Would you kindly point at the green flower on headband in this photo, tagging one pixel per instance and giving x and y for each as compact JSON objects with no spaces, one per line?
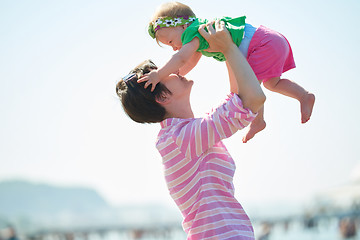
{"x":168,"y":22}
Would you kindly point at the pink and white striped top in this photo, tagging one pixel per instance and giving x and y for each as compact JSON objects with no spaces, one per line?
{"x":199,"y":171}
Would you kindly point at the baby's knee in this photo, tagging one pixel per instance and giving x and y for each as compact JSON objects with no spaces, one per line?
{"x":271,"y":83}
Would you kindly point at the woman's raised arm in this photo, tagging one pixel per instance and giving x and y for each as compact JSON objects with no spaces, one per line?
{"x":249,"y":89}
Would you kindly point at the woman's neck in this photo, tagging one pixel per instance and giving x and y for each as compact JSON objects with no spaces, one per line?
{"x":180,"y":110}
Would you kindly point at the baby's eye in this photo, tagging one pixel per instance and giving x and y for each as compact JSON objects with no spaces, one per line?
{"x":170,"y":42}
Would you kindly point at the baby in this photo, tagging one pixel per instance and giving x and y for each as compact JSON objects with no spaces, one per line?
{"x":267,"y":51}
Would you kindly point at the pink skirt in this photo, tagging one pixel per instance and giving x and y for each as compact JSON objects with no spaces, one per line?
{"x":269,"y":54}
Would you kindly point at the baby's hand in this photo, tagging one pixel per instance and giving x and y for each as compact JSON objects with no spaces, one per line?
{"x":150,"y":78}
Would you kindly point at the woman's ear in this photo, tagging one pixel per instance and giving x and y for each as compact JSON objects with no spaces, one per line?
{"x":163,"y":99}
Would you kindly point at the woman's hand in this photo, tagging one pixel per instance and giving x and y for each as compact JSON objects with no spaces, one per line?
{"x":219,"y":38}
{"x":248,"y":87}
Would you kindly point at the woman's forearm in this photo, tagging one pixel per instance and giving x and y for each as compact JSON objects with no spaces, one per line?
{"x":220,"y":40}
{"x":248,"y":87}
{"x":232,"y":79}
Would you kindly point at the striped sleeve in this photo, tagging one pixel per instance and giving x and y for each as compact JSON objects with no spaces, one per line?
{"x":221,"y":123}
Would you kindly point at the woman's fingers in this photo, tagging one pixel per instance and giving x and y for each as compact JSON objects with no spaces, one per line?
{"x":210,"y":30}
{"x":221,"y":25}
{"x":203,"y":32}
{"x":218,"y":24}
{"x":210,"y":27}
{"x":218,"y":37}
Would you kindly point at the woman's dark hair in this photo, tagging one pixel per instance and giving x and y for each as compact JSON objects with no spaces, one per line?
{"x":138,"y":102}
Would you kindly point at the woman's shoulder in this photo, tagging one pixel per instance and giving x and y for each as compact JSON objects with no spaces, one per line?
{"x":172,"y":128}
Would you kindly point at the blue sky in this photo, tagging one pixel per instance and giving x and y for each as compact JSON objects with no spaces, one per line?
{"x":61,"y":122}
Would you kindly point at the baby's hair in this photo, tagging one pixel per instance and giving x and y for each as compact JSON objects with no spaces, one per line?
{"x":171,"y":9}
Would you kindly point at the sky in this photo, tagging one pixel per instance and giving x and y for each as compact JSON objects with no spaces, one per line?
{"x":62,"y":123}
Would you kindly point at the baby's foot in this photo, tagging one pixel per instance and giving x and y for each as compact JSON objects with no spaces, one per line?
{"x":255,"y":127}
{"x":306,"y":105}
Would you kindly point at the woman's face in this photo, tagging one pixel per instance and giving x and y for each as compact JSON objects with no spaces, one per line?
{"x":179,"y":86}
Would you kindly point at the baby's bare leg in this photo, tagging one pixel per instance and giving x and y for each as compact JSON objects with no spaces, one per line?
{"x":292,"y":89}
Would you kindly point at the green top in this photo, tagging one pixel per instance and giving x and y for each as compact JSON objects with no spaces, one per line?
{"x":234,"y":25}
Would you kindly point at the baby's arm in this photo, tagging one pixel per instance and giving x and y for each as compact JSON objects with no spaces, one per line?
{"x":173,"y":65}
{"x":190,"y":64}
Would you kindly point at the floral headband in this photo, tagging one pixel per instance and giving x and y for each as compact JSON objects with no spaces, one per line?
{"x":164,"y":22}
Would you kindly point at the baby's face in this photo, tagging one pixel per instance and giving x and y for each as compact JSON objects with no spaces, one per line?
{"x":171,"y":36}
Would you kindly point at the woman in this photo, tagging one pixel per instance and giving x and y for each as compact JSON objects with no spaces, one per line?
{"x":198,"y":168}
